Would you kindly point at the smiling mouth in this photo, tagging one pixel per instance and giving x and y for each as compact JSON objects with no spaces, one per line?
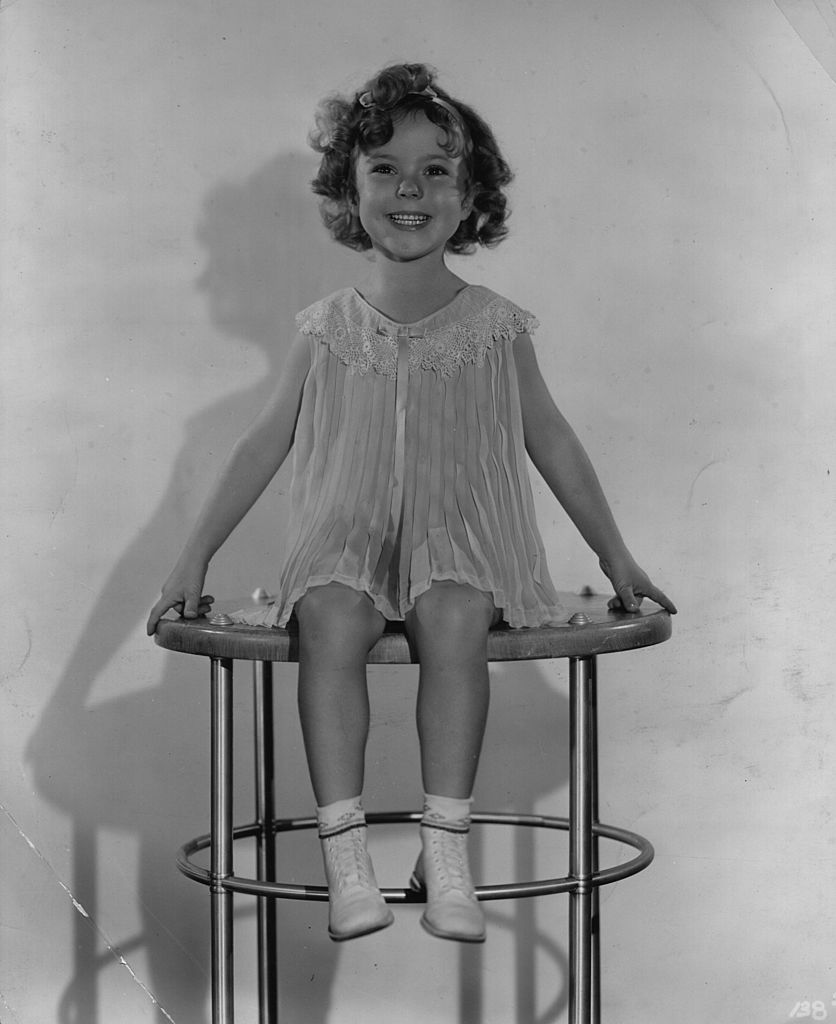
{"x":409,"y":220}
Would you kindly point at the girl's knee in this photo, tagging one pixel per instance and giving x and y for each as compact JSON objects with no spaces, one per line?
{"x":453,"y":609}
{"x":338,"y":613}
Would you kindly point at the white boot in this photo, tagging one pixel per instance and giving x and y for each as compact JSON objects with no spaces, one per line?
{"x":356,"y":906}
{"x":443,"y":872}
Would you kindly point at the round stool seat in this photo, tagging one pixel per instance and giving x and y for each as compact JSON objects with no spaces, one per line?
{"x":590,"y":629}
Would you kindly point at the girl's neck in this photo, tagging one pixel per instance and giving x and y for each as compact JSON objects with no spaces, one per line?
{"x":406,"y":292}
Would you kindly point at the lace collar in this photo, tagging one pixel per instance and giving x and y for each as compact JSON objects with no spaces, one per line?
{"x":458,"y":334}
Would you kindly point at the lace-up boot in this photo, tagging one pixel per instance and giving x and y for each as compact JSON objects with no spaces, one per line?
{"x":443,"y":874}
{"x":356,"y":906}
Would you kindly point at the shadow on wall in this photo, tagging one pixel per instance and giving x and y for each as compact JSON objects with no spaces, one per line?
{"x":138,"y":764}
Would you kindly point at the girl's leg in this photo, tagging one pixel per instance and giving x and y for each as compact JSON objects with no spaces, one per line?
{"x":337,"y":627}
{"x":449,"y":628}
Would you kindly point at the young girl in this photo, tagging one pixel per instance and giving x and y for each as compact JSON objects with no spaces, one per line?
{"x":410,"y":407}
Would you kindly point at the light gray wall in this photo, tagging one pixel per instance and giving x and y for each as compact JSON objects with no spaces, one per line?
{"x":673,"y":230}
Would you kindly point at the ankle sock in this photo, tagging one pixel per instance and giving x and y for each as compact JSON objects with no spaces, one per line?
{"x":449,"y":813}
{"x":340,"y":816}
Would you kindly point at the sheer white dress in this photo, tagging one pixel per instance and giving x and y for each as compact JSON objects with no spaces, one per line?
{"x":409,"y":460}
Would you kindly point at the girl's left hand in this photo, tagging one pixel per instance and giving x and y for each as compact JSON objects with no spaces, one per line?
{"x":631,"y":585}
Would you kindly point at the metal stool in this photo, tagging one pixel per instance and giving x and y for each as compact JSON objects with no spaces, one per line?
{"x":591,"y":630}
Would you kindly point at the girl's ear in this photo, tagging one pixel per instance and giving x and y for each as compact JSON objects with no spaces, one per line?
{"x":468,"y":200}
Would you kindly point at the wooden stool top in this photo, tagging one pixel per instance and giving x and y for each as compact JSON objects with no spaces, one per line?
{"x":603,"y":632}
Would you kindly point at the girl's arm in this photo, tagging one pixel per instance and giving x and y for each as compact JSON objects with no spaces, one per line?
{"x":562,"y":462}
{"x":251,"y":465}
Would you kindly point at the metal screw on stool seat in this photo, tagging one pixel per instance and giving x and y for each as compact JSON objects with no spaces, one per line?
{"x":221,"y":619}
{"x":579,"y":619}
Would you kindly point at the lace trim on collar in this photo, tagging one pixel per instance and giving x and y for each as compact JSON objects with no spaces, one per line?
{"x":366,"y":341}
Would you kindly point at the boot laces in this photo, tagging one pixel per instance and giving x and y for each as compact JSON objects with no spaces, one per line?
{"x":448,"y":851}
{"x":349,"y":859}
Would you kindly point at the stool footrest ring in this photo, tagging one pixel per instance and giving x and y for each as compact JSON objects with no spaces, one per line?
{"x":511,"y":890}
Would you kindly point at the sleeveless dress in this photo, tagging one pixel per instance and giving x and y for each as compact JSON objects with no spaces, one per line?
{"x":409,"y":462}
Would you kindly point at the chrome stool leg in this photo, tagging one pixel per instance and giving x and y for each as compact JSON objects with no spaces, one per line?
{"x":221,"y":842}
{"x":268,"y":999}
{"x":580,"y":842}
{"x":595,"y":991}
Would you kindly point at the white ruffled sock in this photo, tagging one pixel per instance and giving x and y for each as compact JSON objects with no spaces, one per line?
{"x":447,"y":812}
{"x":340,"y":816}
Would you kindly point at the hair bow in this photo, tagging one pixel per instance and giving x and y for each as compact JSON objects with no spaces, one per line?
{"x":366,"y":100}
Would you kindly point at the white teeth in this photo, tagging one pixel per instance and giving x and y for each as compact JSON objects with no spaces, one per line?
{"x":408,"y":218}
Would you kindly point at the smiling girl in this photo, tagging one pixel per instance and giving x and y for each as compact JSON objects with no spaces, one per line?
{"x":410,"y":407}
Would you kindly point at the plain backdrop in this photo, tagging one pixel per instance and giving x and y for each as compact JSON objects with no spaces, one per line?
{"x":674,"y":217}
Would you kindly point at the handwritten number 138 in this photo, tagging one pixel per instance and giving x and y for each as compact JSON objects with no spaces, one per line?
{"x":815,"y":1010}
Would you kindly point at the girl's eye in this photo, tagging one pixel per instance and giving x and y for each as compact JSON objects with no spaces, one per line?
{"x":436,"y":169}
{"x":383,"y":169}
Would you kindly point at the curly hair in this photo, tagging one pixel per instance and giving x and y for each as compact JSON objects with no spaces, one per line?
{"x":345,"y":126}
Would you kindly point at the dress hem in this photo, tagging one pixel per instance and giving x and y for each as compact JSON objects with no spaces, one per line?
{"x":278,"y":616}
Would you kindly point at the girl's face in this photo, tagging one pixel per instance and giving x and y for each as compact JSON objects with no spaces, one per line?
{"x":411,"y":195}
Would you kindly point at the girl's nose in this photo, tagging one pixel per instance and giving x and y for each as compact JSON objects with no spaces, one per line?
{"x":409,"y":189}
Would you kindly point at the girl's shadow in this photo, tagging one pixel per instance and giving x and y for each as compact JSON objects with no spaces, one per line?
{"x":137,"y":764}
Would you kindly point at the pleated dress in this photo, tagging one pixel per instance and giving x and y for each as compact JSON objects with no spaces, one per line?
{"x":409,"y":462}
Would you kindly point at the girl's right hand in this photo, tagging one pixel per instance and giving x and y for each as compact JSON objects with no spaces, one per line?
{"x":182,"y":591}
